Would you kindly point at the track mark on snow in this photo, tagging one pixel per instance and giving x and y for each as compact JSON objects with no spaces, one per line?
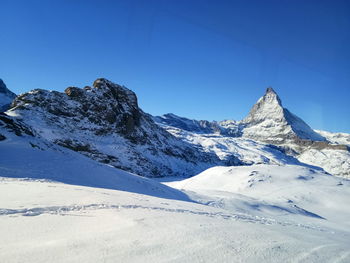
{"x":64,"y":210}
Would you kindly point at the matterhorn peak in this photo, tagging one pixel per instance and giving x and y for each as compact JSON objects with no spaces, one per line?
{"x":269,"y":89}
{"x":268,"y":106}
{"x":271,"y":97}
{"x":268,"y":121}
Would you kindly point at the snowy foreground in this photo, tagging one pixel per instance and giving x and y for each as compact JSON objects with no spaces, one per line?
{"x":59,"y":206}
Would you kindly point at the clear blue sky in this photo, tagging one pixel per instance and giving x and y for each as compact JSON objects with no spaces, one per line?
{"x":200,"y":59}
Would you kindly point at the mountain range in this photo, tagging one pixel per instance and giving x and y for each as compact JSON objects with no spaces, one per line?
{"x":74,"y":186}
{"x":104,"y":122}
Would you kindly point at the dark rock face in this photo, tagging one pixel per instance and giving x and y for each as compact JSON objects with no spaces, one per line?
{"x":105,"y":123}
{"x":6,"y":97}
{"x":15,"y":126}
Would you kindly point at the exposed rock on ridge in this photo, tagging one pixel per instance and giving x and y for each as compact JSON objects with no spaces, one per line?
{"x":105,"y":123}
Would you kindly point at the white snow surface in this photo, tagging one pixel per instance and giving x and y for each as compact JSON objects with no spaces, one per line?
{"x":249,"y":151}
{"x":59,"y":206}
{"x":26,"y":157}
{"x":245,"y":150}
{"x":336,"y":137}
{"x":336,"y":162}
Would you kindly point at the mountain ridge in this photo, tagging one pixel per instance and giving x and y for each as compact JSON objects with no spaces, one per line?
{"x":268,"y":122}
{"x":105,"y":123}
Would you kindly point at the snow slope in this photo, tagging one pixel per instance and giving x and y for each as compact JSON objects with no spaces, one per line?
{"x":235,"y":150}
{"x":59,"y":206}
{"x":50,"y":222}
{"x":283,"y":191}
{"x":30,"y":157}
{"x":336,"y":137}
{"x":336,"y":162}
{"x":105,"y":123}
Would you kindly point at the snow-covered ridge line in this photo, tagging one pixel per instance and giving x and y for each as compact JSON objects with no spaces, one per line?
{"x":267,"y":122}
{"x":105,"y":123}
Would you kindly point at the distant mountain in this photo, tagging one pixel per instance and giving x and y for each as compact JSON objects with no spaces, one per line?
{"x":268,"y":121}
{"x":229,"y":128}
{"x":105,"y":123}
{"x":284,"y":135}
{"x":336,"y":137}
{"x":6,"y":97}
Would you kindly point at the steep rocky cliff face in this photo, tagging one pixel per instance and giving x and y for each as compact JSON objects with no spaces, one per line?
{"x":105,"y":123}
{"x":6,"y":97}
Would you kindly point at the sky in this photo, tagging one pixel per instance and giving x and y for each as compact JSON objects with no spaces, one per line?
{"x":199,"y":59}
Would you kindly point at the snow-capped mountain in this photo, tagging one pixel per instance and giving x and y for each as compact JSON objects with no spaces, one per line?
{"x":57,"y":205}
{"x":336,"y":137}
{"x":269,"y":134}
{"x":6,"y":97}
{"x":105,"y":123}
{"x":235,"y":150}
{"x":227,"y":128}
{"x":201,"y":126}
{"x":268,"y":121}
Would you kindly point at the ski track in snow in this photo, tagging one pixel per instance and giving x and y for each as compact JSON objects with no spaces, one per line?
{"x":64,"y":210}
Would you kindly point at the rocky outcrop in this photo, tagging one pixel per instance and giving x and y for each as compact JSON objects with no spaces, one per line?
{"x":104,"y":122}
{"x":14,"y":126}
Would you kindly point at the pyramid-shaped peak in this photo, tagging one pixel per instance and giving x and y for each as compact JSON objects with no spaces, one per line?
{"x":270,"y":96}
{"x":268,"y":120}
{"x":270,"y":90}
